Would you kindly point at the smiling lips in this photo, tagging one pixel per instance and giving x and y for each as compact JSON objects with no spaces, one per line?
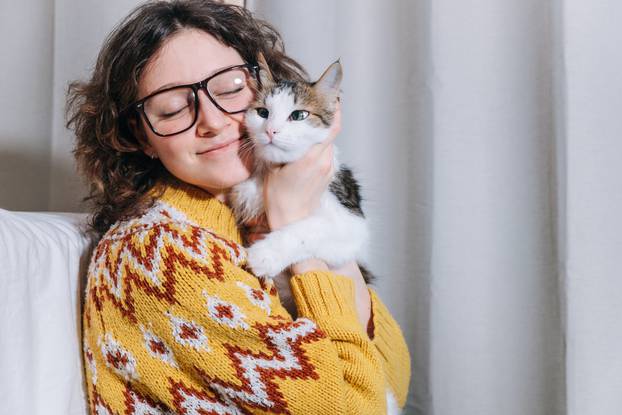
{"x":219,"y":146}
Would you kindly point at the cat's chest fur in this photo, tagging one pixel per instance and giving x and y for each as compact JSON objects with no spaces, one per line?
{"x":247,"y":199}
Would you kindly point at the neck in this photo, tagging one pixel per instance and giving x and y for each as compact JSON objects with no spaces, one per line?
{"x":218,"y":194}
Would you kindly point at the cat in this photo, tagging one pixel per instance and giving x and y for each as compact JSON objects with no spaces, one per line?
{"x":303,"y":112}
{"x":337,"y":231}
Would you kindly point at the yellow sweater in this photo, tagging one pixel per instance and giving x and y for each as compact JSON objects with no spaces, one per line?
{"x":173,"y":323}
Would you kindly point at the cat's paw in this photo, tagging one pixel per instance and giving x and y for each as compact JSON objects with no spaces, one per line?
{"x":263,"y":260}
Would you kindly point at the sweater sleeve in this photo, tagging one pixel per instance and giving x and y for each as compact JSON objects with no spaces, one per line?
{"x":174,"y":322}
{"x":389,"y":341}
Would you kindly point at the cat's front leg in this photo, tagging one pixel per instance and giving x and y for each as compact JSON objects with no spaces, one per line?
{"x":324,"y":235}
{"x":289,"y":244}
{"x":275,"y":252}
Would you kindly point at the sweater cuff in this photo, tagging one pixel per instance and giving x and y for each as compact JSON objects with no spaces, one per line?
{"x":322,"y":295}
{"x":386,"y":329}
{"x":390,"y":343}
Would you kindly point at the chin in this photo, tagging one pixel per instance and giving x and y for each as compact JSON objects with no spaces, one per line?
{"x":221,"y":176}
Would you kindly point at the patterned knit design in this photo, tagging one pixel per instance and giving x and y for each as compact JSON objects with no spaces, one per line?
{"x":174,"y":324}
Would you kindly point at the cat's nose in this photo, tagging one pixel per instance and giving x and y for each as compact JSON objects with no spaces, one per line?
{"x":271,"y":133}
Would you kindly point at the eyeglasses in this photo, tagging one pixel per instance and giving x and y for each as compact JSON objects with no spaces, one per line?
{"x":175,"y":110}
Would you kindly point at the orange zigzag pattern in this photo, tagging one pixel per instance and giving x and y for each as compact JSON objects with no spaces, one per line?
{"x":257,"y":371}
{"x":169,"y":242}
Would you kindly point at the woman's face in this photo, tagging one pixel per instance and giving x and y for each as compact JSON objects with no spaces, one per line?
{"x":196,"y":156}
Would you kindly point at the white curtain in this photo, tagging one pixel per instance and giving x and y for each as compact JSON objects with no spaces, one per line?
{"x":488,"y":138}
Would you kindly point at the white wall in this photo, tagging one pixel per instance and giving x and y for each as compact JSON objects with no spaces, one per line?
{"x":80,"y":28}
{"x":45,"y":45}
{"x":26,"y":54}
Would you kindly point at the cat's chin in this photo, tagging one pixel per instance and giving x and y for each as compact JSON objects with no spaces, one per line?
{"x":273,"y":154}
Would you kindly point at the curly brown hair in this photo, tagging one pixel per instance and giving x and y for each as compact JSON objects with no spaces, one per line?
{"x":107,"y":152}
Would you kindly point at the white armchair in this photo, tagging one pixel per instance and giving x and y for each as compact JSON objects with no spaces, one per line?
{"x":43,"y":260}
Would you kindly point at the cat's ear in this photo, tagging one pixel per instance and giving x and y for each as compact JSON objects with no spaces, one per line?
{"x":265,"y":76}
{"x":329,"y":82}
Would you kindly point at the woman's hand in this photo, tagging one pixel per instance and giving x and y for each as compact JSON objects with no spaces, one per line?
{"x":361,"y":293}
{"x":350,"y":270}
{"x":293,"y":191}
{"x":255,"y":230}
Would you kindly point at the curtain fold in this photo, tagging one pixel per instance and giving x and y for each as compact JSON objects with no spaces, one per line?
{"x":593,"y":201}
{"x":496,"y":342}
{"x":487,"y":138}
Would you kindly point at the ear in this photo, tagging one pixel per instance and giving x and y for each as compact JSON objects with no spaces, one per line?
{"x":265,"y":76}
{"x":141,"y":137}
{"x":329,"y":82}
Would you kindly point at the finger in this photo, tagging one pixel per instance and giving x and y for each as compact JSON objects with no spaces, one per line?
{"x":333,"y":131}
{"x":335,"y":127}
{"x":317,"y":149}
{"x":327,"y":161}
{"x":314,"y":153}
{"x":255,"y":236}
{"x":257,"y":221}
{"x":257,"y":229}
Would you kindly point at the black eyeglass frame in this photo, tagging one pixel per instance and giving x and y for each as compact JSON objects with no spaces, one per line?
{"x":139,"y":105}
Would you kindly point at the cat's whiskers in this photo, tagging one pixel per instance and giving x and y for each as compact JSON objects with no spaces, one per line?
{"x":246,"y":148}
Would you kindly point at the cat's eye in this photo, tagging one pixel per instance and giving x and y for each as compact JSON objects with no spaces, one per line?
{"x":263,"y":112}
{"x":298,"y":115}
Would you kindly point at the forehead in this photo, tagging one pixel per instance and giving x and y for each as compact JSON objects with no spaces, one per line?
{"x":188,"y":56}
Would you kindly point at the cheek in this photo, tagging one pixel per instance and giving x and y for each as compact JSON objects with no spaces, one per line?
{"x":174,"y":148}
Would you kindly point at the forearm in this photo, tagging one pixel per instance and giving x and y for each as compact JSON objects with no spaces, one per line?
{"x":350,"y":270}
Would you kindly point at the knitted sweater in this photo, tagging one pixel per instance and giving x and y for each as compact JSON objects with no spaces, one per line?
{"x":173,"y":323}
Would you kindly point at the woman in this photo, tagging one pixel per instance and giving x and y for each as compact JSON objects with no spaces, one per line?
{"x":172,"y":321}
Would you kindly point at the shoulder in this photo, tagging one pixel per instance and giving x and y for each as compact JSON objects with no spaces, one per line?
{"x":162,"y":225}
{"x":157,"y":254}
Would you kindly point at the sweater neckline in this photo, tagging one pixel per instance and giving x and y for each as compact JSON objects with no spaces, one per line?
{"x":199,"y":206}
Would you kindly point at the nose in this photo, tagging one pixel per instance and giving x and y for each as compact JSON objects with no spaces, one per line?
{"x":210,"y":119}
{"x":271,"y":131}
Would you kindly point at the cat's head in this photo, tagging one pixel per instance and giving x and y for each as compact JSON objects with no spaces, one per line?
{"x":288,"y":117}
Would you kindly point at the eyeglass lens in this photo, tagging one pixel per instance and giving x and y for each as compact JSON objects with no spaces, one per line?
{"x":173,"y":111}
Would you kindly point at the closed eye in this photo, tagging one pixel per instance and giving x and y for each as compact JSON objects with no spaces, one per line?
{"x":298,"y":115}
{"x":173,"y":113}
{"x":232,"y":92}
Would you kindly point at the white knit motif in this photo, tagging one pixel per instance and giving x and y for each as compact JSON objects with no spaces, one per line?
{"x":283,"y":360}
{"x":194,"y":404}
{"x":188,"y":333}
{"x":117,"y":358}
{"x":225,"y":313}
{"x":161,"y":213}
{"x":256,"y":297}
{"x":100,"y":409}
{"x":140,"y":406}
{"x":90,"y":362}
{"x":157,"y":348}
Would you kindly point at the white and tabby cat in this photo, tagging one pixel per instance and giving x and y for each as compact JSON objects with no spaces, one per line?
{"x":283,"y":122}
